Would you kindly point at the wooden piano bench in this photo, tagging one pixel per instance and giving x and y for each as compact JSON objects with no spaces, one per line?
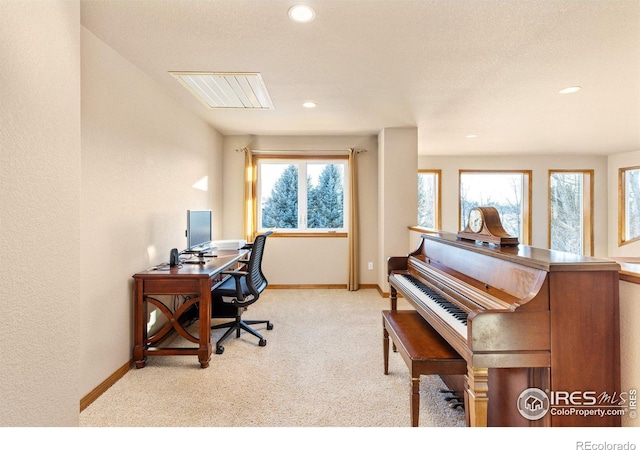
{"x":423,"y":350}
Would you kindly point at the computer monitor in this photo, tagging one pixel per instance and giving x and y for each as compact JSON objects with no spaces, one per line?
{"x":199,"y":229}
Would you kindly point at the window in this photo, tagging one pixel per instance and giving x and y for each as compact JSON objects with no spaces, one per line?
{"x":429,"y":199}
{"x":571,"y":211}
{"x":507,"y":191}
{"x":302,"y":195}
{"x":629,"y":205}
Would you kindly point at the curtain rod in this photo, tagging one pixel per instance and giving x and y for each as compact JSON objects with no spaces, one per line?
{"x":299,"y":152}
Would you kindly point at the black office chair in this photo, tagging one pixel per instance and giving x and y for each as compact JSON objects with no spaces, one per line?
{"x":240,"y":290}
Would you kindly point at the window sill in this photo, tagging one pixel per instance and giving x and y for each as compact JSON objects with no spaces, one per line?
{"x":326,"y":234}
{"x":629,"y":269}
{"x":424,"y":230}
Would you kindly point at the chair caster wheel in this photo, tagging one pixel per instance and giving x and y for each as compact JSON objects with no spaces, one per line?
{"x":219,"y":350}
{"x":269,"y":326}
{"x":262,"y":342}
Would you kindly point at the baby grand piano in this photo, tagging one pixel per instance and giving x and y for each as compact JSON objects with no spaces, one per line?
{"x":532,"y":324}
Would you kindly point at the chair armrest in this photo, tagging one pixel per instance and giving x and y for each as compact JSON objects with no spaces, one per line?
{"x":235,"y":273}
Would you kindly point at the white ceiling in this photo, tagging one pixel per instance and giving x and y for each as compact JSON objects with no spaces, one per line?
{"x":448,"y":67}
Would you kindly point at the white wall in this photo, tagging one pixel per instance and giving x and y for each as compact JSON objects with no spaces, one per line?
{"x":540,"y":166}
{"x":141,"y":154}
{"x":629,"y":341}
{"x":39,"y":222}
{"x":397,"y":194}
{"x":618,"y":161}
{"x":298,"y":260}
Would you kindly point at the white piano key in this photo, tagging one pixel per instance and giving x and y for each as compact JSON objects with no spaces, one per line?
{"x":458,"y":325}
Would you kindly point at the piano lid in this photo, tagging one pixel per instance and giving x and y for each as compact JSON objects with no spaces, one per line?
{"x":518,"y":271}
{"x":534,"y":257}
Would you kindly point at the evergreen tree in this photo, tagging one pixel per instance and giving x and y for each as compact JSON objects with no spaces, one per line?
{"x":425,"y":203}
{"x":281,"y":208}
{"x":325,"y":201}
{"x":633,"y":203}
{"x":567,"y":212}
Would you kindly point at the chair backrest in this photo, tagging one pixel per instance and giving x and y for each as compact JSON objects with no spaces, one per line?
{"x":256,"y":281}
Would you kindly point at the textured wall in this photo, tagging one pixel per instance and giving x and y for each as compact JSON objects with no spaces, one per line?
{"x":39,"y":204}
{"x":397,"y":194}
{"x":141,"y":155}
{"x":630,"y":342}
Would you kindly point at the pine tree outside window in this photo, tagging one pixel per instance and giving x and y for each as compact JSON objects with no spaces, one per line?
{"x":571,"y":211}
{"x":629,"y":205}
{"x":302,"y":195}
{"x":429,"y":199}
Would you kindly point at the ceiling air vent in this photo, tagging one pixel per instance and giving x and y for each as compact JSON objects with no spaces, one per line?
{"x":226,"y":90}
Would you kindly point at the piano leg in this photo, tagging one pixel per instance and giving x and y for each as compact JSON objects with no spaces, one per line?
{"x":476,"y":397}
{"x":393,"y":297}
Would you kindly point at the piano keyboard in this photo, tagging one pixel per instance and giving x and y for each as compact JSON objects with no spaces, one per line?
{"x":446,"y":310}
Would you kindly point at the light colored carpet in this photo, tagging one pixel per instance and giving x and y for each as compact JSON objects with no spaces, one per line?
{"x":322,"y":367}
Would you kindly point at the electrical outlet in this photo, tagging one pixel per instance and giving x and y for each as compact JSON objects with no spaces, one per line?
{"x":370,"y":266}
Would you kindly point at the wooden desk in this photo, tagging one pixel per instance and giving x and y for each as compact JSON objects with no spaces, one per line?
{"x":192,"y":280}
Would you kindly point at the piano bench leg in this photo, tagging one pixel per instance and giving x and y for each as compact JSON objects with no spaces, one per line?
{"x":415,"y":401}
{"x":385,"y":348}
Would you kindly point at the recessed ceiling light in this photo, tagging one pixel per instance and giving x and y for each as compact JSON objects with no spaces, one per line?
{"x":471,"y":136}
{"x":570,"y":90}
{"x":301,"y":13}
{"x":309,"y":104}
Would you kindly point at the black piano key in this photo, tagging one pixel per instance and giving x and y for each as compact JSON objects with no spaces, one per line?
{"x":441,"y":301}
